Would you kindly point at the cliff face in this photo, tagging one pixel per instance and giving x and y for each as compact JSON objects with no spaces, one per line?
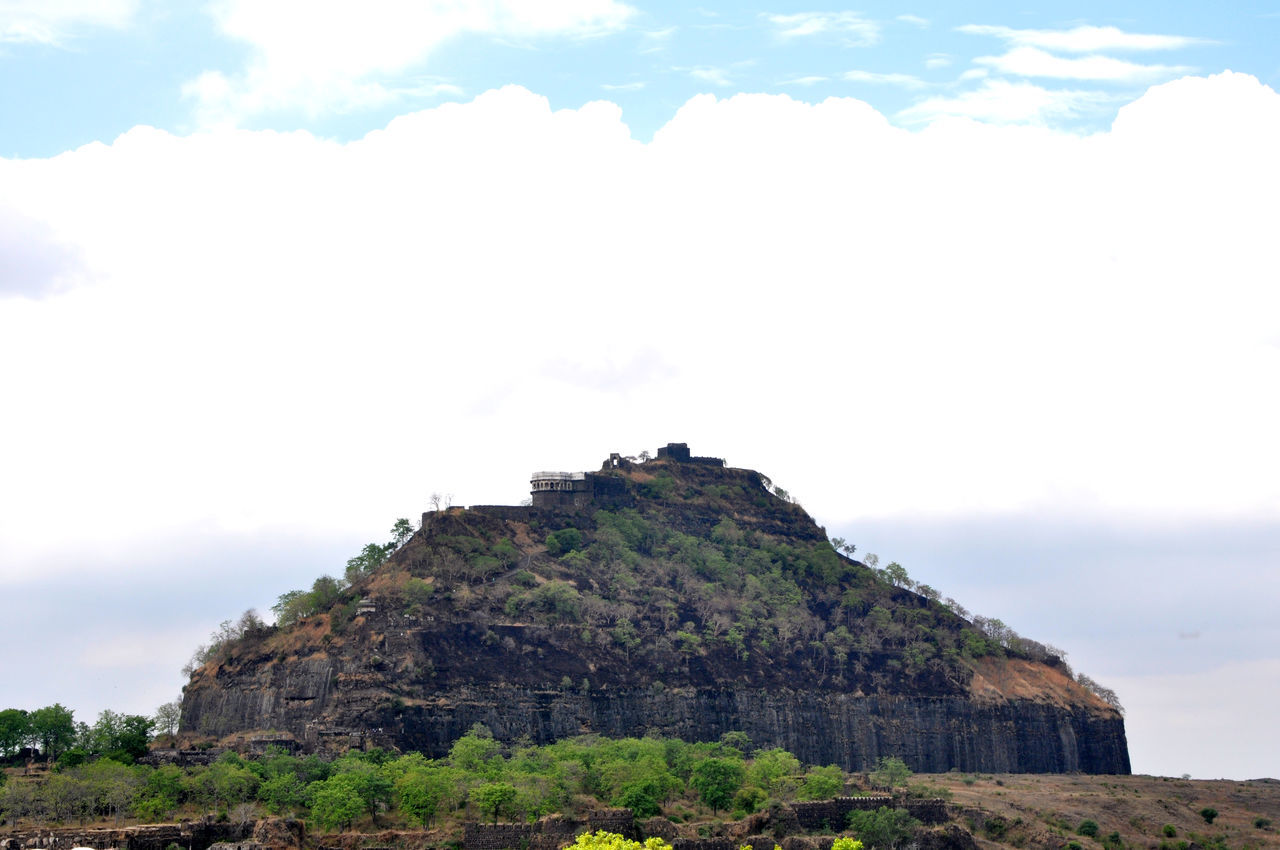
{"x":708,"y":606}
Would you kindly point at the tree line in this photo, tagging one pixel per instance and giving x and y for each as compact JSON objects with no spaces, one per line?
{"x":53,"y":734}
{"x":479,"y":779}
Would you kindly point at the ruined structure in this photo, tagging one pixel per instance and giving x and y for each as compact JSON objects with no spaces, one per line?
{"x":677,"y":596}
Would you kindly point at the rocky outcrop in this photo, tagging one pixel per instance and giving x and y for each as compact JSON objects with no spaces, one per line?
{"x":711,"y":605}
{"x":931,"y":734}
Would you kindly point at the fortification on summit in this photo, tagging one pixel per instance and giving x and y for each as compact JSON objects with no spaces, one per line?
{"x":583,"y":489}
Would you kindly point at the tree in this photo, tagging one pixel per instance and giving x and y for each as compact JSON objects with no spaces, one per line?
{"x":370,"y":558}
{"x":843,"y":546}
{"x":292,"y":606}
{"x":716,"y":780}
{"x":420,"y":791}
{"x":15,"y":728}
{"x":1208,"y":813}
{"x":167,"y":717}
{"x":602,"y":840}
{"x":896,"y":574}
{"x":774,"y":771}
{"x":53,"y":728}
{"x":335,"y":803}
{"x":891,"y":772}
{"x":493,"y":796}
{"x":476,"y":750}
{"x":400,"y":532}
{"x":115,"y":786}
{"x":883,"y":829}
{"x":822,"y":783}
{"x":367,"y":780}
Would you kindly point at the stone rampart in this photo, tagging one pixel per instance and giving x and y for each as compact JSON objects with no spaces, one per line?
{"x":832,"y":814}
{"x":547,"y":834}
{"x":199,"y":835}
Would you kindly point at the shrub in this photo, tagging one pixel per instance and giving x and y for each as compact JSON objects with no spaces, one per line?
{"x":1088,"y":827}
{"x":1170,"y":831}
{"x":1208,"y":813}
{"x":1262,"y":823}
{"x":749,"y":800}
{"x":883,"y":829}
{"x":563,"y":541}
{"x":1073,"y":845}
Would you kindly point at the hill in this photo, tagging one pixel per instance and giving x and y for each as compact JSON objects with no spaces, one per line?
{"x":675,"y":596}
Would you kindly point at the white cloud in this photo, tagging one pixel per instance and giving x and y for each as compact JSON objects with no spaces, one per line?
{"x":53,"y":21}
{"x":907,"y":81}
{"x":1033,"y":62}
{"x":1084,"y":39}
{"x":810,"y":80}
{"x":937,"y":60}
{"x":36,"y":264}
{"x":287,"y":332}
{"x":714,"y":76}
{"x":636,"y":86}
{"x":325,"y":57}
{"x":914,"y":19}
{"x":1003,"y":102}
{"x":851,"y":27}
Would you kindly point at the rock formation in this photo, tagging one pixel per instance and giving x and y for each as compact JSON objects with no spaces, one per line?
{"x":689,"y":601}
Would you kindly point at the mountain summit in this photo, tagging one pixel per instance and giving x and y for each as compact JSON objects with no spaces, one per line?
{"x":672,"y":595}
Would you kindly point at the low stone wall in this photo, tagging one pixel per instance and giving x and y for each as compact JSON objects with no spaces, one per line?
{"x":928,"y":811}
{"x":189,"y":836}
{"x":833,"y":814}
{"x":548,"y":833}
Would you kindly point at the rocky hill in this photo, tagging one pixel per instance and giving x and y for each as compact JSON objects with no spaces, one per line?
{"x":674,"y":595}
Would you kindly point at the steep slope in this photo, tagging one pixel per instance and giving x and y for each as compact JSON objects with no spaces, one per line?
{"x":679,"y":597}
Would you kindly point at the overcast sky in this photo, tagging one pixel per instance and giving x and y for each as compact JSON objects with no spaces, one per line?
{"x":993,"y":293}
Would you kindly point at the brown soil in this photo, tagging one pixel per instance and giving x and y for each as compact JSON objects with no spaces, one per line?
{"x":1044,"y":811}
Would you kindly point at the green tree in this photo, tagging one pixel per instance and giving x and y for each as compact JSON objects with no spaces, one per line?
{"x":53,"y":728}
{"x":896,"y":574}
{"x":283,"y":793}
{"x":492,"y":796}
{"x":421,"y":790}
{"x":400,"y":532}
{"x":883,"y":829}
{"x":167,"y":717}
{"x":1208,"y":813}
{"x":15,"y":729}
{"x":602,"y":840}
{"x":369,"y":782}
{"x":564,"y":540}
{"x":292,"y":606}
{"x":160,"y":794}
{"x":370,"y":558}
{"x":115,"y":786}
{"x":716,"y":780}
{"x":335,"y":803}
{"x":822,"y":783}
{"x":1088,"y":828}
{"x":476,"y":752}
{"x":775,"y":771}
{"x":891,"y":772}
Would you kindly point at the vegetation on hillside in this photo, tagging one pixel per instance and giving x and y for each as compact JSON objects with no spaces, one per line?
{"x":714,"y":573}
{"x":480,"y":779}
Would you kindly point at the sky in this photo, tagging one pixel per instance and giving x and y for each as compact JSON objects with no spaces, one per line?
{"x":993,"y":292}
